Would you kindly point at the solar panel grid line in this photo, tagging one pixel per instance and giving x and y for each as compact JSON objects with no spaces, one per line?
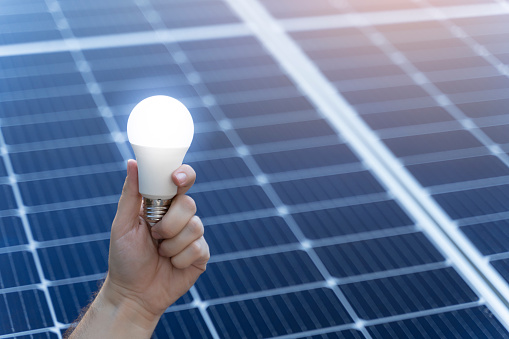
{"x":21,"y":288}
{"x":346,"y":20}
{"x":202,"y":307}
{"x":274,"y":197}
{"x":472,"y":184}
{"x":482,"y":218}
{"x":320,"y":332}
{"x":77,"y":279}
{"x":392,"y":272}
{"x":398,"y":132}
{"x":283,"y":56}
{"x":126,"y":39}
{"x":422,"y":313}
{"x":70,"y":172}
{"x":410,"y":160}
{"x":498,"y":256}
{"x":255,"y":252}
{"x":37,"y":119}
{"x":96,"y":201}
{"x":28,"y":333}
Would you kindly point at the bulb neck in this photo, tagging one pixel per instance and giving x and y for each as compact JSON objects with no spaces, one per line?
{"x":155,"y":209}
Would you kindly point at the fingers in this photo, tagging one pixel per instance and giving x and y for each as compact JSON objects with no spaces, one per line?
{"x":181,"y":210}
{"x":181,"y":230}
{"x":184,"y":178}
{"x":191,"y":232}
{"x":188,"y":247}
{"x":196,"y":254}
{"x":130,"y":201}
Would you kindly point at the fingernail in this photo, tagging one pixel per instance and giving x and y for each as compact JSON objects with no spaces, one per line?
{"x":156,"y":235}
{"x":181,"y":177}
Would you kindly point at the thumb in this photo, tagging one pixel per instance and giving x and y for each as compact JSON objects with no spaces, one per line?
{"x":128,"y":209}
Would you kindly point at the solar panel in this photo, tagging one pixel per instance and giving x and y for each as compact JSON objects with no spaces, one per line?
{"x":351,"y":161}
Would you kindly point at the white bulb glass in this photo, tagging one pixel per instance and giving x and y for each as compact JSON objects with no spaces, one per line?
{"x":160,"y":130}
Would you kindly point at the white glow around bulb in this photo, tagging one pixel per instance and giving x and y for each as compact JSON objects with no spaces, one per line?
{"x":160,"y":130}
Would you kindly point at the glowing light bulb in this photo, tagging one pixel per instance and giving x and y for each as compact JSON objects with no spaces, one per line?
{"x":160,"y":130}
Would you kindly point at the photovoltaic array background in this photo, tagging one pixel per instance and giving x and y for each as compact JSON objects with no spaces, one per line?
{"x":352,"y":161}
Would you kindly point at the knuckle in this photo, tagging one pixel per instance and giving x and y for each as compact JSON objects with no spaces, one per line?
{"x":206,"y":256}
{"x":189,"y":204}
{"x":171,"y":232}
{"x":177,"y":263}
{"x":167,"y":231}
{"x":196,"y":227}
{"x":195,"y":248}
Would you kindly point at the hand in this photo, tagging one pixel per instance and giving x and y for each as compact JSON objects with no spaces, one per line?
{"x":153,"y":267}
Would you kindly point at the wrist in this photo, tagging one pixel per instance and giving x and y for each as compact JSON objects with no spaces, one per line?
{"x":115,"y":315}
{"x":126,"y":309}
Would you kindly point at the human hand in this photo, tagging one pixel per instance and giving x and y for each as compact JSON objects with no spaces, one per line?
{"x":152,"y":267}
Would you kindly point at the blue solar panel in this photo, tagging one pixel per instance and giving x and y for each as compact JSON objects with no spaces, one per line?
{"x":314,"y":231}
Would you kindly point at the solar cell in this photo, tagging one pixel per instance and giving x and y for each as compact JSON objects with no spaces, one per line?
{"x":12,"y":232}
{"x":18,"y":269}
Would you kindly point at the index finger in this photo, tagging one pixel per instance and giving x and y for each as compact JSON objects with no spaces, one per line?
{"x":184,"y":177}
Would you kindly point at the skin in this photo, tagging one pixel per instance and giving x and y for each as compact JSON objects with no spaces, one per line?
{"x":149,"y":268}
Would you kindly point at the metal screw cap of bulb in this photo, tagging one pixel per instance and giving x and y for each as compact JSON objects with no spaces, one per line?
{"x":155,"y":209}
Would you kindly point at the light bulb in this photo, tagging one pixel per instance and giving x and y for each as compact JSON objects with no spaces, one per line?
{"x":160,"y":130}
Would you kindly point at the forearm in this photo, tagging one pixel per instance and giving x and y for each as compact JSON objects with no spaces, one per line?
{"x":112,"y":315}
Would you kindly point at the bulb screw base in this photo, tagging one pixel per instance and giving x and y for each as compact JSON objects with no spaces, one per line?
{"x":155,"y":209}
